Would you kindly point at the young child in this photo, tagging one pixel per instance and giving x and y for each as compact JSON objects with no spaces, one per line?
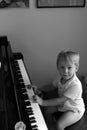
{"x":69,"y":102}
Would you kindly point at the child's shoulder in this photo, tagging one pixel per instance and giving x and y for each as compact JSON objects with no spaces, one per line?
{"x":75,"y":82}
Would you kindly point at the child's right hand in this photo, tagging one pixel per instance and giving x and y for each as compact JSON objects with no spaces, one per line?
{"x":36,"y":99}
{"x":36,"y":90}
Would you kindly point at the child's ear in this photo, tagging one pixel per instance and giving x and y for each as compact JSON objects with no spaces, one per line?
{"x":77,"y":67}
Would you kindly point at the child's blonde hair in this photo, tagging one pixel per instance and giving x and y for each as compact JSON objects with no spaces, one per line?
{"x":72,"y":56}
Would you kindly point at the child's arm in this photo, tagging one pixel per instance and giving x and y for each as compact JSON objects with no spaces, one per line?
{"x":54,"y":102}
{"x":47,"y":91}
{"x":50,"y":102}
{"x":37,"y":91}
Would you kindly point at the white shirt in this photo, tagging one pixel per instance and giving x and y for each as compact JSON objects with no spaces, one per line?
{"x":72,"y":89}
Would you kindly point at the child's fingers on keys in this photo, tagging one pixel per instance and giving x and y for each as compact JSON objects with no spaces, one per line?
{"x":29,"y":86}
{"x":34,"y":87}
{"x":33,"y":98}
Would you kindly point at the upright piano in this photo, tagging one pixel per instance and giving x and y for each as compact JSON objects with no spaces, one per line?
{"x":15,"y":104}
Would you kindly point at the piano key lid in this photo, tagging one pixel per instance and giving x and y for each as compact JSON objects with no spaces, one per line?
{"x":20,"y":126}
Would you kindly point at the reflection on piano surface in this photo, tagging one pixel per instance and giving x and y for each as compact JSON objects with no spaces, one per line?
{"x":15,"y":105}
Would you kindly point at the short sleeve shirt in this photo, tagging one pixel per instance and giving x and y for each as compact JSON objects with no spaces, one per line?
{"x":72,"y":89}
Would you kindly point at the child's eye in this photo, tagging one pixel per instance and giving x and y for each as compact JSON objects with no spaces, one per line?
{"x":69,"y":68}
{"x":62,"y":67}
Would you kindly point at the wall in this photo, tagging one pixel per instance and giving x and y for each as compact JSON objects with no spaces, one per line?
{"x":40,"y":34}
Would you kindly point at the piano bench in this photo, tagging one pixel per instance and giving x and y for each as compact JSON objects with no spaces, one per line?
{"x":80,"y":125}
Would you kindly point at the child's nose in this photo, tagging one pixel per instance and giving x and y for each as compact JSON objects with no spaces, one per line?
{"x":65,"y":70}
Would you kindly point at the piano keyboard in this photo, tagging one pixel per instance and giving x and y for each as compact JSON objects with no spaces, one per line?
{"x":34,"y":113}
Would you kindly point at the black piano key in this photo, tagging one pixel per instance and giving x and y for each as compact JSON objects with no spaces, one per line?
{"x":20,"y":80}
{"x":18,"y":71}
{"x":17,"y":67}
{"x":34,"y":126}
{"x":15,"y":61}
{"x":16,"y":64}
{"x":22,"y":85}
{"x":30,"y":113}
{"x":28,"y":103}
{"x":29,"y":109}
{"x":32,"y":121}
{"x":23,"y":90}
{"x":32,"y":118}
{"x":19,"y":75}
{"x":25,"y":96}
{"x":35,"y":129}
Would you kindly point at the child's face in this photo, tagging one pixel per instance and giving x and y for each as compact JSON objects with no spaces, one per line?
{"x":66,"y":69}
